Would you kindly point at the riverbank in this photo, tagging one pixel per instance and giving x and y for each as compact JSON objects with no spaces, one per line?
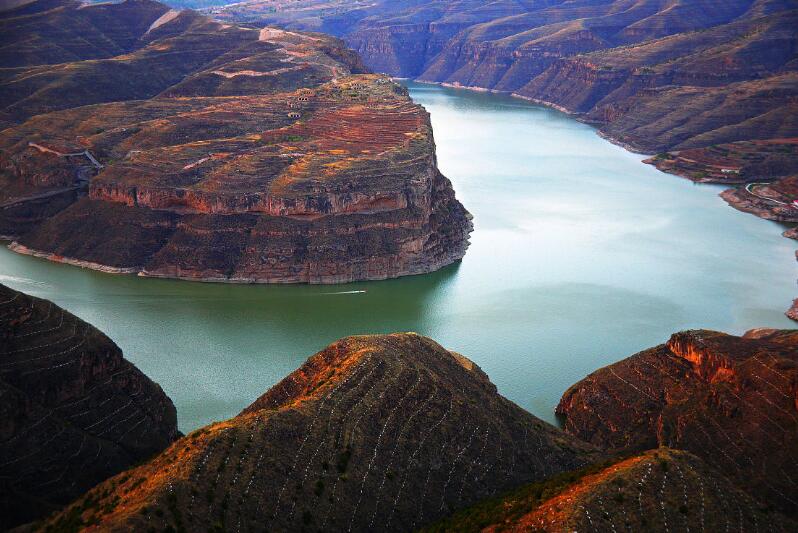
{"x":55,"y":258}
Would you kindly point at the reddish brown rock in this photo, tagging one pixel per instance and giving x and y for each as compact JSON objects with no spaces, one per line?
{"x":772,"y":201}
{"x":652,"y":76}
{"x":732,"y":163}
{"x":268,"y":159}
{"x":73,"y":412}
{"x":733,"y":401}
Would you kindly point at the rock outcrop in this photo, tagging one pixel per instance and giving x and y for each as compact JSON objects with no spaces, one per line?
{"x":659,"y":490}
{"x":372,"y":433}
{"x":234,"y":154}
{"x":772,"y":201}
{"x":713,"y":84}
{"x":73,"y":412}
{"x":732,"y":401}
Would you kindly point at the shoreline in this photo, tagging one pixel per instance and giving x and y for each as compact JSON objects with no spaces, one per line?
{"x":574,"y":115}
{"x":21,"y":249}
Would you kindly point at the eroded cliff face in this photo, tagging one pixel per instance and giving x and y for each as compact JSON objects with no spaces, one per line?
{"x":378,"y":432}
{"x":275,"y":162}
{"x":345,"y":189}
{"x":73,"y":413}
{"x":732,"y":401}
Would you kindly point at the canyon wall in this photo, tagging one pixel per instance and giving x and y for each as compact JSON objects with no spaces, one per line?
{"x":261,"y":156}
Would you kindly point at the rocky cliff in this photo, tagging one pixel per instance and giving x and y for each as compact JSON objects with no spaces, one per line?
{"x":235,"y":155}
{"x":732,"y":401}
{"x":73,"y":412}
{"x":378,"y":432}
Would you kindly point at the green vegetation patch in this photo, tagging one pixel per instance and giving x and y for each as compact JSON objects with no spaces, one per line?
{"x":511,"y":506}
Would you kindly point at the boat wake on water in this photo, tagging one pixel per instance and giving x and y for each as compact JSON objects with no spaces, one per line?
{"x":341,"y":292}
{"x":27,"y":281}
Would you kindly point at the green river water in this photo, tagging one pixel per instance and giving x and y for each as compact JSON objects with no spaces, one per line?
{"x":581,"y":256}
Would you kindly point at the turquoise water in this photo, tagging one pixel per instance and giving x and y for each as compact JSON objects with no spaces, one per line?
{"x":580,"y":257}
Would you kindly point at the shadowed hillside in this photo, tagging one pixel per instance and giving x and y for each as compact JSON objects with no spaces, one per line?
{"x":660,"y":490}
{"x":73,"y":410}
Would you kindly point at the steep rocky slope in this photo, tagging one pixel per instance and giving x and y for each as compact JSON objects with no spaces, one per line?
{"x":660,"y":490}
{"x":377,"y":432}
{"x":73,"y":412}
{"x":732,"y":401}
{"x":235,"y":154}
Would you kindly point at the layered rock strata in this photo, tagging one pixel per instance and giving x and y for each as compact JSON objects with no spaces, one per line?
{"x":377,"y":432}
{"x":732,"y":401}
{"x":74,"y":411}
{"x":268,"y":159}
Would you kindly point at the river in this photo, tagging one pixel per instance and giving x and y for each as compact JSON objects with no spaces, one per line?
{"x":581,"y":256}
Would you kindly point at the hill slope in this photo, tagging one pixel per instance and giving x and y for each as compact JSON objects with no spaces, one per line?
{"x":653,"y":75}
{"x":732,"y":401}
{"x":388,"y":432}
{"x":74,"y":411}
{"x":660,"y":490}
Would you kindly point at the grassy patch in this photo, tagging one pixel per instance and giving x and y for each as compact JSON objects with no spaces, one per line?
{"x":512,"y":505}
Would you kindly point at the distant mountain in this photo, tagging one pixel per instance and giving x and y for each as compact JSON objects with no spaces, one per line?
{"x":73,"y":412}
{"x":653,"y":75}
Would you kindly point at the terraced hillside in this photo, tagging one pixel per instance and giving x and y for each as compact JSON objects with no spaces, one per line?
{"x":73,"y":412}
{"x":660,"y":490}
{"x":654,"y":76}
{"x":372,"y":433}
{"x":230,"y":154}
{"x":177,"y":53}
{"x":732,"y":401}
